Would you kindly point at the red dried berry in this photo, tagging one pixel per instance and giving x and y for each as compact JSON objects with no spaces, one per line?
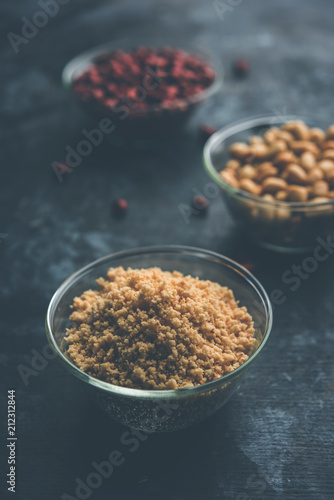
{"x":63,"y":167}
{"x":120,"y":207}
{"x":200,"y":203}
{"x":241,"y":67}
{"x":205,"y":131}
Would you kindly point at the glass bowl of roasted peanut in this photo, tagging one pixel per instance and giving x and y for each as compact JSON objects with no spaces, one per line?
{"x":277,"y":178}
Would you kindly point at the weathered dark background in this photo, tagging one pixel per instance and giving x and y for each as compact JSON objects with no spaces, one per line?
{"x":274,"y":439}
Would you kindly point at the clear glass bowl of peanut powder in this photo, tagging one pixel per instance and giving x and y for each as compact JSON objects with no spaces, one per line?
{"x":149,"y":409}
{"x":284,"y":226}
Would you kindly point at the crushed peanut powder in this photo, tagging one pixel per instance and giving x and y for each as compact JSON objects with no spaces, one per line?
{"x":152,"y":329}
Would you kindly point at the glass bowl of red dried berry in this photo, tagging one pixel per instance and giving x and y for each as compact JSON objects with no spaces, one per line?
{"x":148,"y":89}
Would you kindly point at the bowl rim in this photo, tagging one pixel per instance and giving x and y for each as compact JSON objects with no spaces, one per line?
{"x":67,"y":75}
{"x":239,"y":126}
{"x":158,"y":394}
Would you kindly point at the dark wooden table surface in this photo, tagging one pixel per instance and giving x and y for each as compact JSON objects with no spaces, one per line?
{"x":274,"y":439}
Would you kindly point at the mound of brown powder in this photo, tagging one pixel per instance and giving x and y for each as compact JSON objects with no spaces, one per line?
{"x":150,"y":329}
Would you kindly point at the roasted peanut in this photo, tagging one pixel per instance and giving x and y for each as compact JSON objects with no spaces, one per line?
{"x":229,"y":176}
{"x":320,"y":199}
{"x":300,"y":147}
{"x":283,"y":213}
{"x":273,"y":184}
{"x":326,"y":165}
{"x":289,"y":164}
{"x":285,"y":174}
{"x":239,"y":150}
{"x":328,"y":144}
{"x":259,"y":151}
{"x":270,"y":135}
{"x":281,"y":195}
{"x":275,"y":148}
{"x":316,"y":174}
{"x":307,"y":160}
{"x":298,"y":129}
{"x":233,"y":164}
{"x":250,"y":186}
{"x":297,"y":193}
{"x":286,"y":136}
{"x":328,"y":154}
{"x":317,"y":135}
{"x":284,"y":158}
{"x":296,"y":174}
{"x":247,"y":172}
{"x":330,"y":177}
{"x":264,"y":170}
{"x":268,"y":197}
{"x":330,"y":133}
{"x":319,"y":188}
{"x":325,"y":206}
{"x":256,"y":139}
{"x":267,"y":212}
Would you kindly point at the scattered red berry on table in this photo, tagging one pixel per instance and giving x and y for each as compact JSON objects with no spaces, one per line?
{"x":241,"y":67}
{"x":120,"y":207}
{"x":64,"y":168}
{"x":200,"y":203}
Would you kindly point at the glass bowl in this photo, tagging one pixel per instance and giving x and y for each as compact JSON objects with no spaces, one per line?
{"x":277,"y":225}
{"x":156,"y":123}
{"x":166,"y":410}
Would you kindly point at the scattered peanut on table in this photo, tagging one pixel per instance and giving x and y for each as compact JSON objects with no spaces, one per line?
{"x":293,"y":163}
